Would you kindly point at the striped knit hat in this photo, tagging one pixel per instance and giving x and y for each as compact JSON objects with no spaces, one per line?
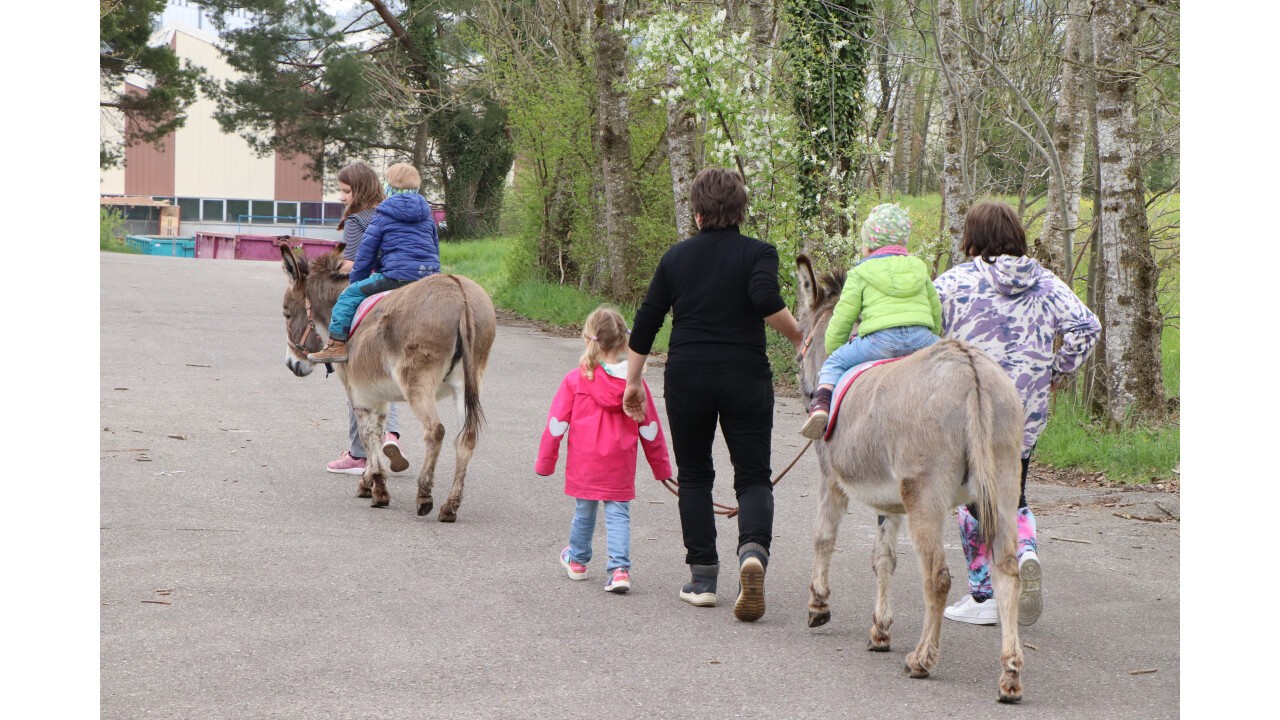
{"x":887,"y":224}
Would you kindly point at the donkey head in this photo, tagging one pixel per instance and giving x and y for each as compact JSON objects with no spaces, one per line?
{"x":816,"y":298}
{"x":298,"y":326}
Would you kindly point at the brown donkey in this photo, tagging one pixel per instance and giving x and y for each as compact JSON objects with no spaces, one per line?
{"x":918,"y":437}
{"x":422,"y":342}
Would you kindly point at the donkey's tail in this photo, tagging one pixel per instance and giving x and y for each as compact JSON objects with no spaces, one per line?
{"x":982,"y":442}
{"x":470,"y":381}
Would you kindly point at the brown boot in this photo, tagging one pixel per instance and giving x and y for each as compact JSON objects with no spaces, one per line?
{"x":335,"y":352}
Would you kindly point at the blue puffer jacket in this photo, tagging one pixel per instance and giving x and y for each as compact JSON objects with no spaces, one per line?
{"x":403,"y":233}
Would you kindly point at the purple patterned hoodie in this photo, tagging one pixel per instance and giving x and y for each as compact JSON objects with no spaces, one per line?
{"x":1013,"y":309}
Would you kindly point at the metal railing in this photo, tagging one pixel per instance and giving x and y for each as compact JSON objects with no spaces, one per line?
{"x":301,"y":222}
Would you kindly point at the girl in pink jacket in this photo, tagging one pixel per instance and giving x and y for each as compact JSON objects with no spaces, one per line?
{"x":601,"y":465}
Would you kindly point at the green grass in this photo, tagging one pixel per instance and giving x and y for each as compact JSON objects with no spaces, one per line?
{"x":561,"y":305}
{"x":1136,"y":455}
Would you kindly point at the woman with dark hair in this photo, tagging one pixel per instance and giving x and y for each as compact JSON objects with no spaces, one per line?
{"x":721,"y":288}
{"x":1006,"y":304}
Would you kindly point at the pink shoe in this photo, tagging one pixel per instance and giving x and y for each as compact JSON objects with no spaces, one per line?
{"x":619,"y":581}
{"x":391,"y":448}
{"x":576,"y":570}
{"x":346,"y":465}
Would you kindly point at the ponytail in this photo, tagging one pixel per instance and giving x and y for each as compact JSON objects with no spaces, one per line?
{"x":606,"y":334}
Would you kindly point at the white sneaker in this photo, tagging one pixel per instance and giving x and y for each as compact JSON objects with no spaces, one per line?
{"x":968,"y":610}
{"x":1030,"y":600}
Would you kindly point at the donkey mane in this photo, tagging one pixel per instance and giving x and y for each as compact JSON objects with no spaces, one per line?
{"x":328,"y":265}
{"x":831,"y":284}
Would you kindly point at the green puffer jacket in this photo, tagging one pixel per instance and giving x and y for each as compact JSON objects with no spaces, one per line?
{"x":889,"y":291}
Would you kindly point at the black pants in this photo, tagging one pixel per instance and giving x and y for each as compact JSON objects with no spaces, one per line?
{"x":743,"y":406}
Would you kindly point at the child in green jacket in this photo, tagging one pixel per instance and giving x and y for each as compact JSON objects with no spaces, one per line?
{"x":897,"y":302}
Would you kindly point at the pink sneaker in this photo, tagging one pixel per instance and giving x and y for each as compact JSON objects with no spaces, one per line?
{"x":619,"y":581}
{"x":576,"y":570}
{"x":391,"y":448}
{"x":346,"y":465}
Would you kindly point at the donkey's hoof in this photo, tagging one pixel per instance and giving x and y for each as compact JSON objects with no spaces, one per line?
{"x":914,"y":669}
{"x":380,"y":502}
{"x":448,"y":514}
{"x":1010,"y":699}
{"x":424,"y":508}
{"x":873,"y":646}
{"x":818,"y":618}
{"x":363,"y":491}
{"x":1010,"y":688}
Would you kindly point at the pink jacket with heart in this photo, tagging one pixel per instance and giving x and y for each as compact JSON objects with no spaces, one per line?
{"x":601,"y":464}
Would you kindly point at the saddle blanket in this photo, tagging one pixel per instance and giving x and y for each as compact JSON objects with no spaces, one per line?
{"x":842,"y":387}
{"x":365,"y":306}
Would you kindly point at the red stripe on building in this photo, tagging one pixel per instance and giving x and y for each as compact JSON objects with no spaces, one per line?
{"x":148,"y":169}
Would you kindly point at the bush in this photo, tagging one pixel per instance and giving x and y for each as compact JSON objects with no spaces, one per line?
{"x":111,"y":226}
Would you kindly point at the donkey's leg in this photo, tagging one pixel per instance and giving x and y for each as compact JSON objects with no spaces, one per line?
{"x":420,"y":392}
{"x":832,"y":503}
{"x":884,"y":560}
{"x":464,"y":446}
{"x":1005,"y":581}
{"x":374,"y":481}
{"x":925,"y":522}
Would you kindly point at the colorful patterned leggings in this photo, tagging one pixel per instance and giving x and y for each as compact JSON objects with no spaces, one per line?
{"x":977,"y":553}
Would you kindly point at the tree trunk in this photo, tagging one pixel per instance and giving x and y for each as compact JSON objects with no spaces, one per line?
{"x":924,"y":111}
{"x":1135,"y":385}
{"x":682,"y":137}
{"x":957,"y":188}
{"x":903,"y":130}
{"x":1054,"y":246}
{"x":613,"y":142}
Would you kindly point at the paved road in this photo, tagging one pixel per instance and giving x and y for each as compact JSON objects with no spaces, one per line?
{"x":289,"y":597}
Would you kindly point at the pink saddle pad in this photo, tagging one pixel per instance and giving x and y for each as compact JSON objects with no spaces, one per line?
{"x":842,"y":386}
{"x":365,"y":306}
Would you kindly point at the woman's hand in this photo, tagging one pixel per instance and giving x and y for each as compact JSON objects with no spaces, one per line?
{"x":633,"y":402}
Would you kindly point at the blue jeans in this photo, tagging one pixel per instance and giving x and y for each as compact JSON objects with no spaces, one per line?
{"x":617,"y":525}
{"x":344,"y":311}
{"x":879,"y":345}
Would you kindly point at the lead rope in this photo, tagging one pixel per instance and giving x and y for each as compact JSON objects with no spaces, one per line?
{"x":674,"y":487}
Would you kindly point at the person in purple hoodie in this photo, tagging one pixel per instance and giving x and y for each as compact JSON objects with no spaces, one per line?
{"x":1007,"y":305}
{"x":400,"y":241}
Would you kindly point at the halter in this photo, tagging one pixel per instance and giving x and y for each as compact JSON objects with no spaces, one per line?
{"x":301,"y":344}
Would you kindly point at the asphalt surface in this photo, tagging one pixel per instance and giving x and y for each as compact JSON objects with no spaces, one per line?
{"x":240,"y":580}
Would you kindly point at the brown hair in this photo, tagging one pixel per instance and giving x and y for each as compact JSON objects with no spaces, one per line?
{"x":366,"y":191}
{"x":403,"y":176}
{"x":606,"y":333}
{"x":993,"y":228}
{"x":720,"y":197}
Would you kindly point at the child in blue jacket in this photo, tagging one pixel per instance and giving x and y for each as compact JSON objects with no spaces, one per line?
{"x":401,"y":240}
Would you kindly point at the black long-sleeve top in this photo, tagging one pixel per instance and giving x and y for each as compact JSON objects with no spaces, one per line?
{"x":719,"y":286}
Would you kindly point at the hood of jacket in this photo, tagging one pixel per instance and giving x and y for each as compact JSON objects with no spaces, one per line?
{"x":894,"y":275}
{"x":406,"y":208}
{"x":605,"y":389}
{"x":1009,"y":274}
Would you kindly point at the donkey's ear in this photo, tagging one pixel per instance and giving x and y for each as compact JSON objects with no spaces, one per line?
{"x":807,"y":290}
{"x":295,"y":268}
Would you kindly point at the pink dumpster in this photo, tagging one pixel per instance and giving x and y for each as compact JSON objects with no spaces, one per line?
{"x":215,"y":246}
{"x":312,"y":247}
{"x":258,"y":247}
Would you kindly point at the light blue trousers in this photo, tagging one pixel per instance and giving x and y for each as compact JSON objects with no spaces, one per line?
{"x":879,"y":345}
{"x":617,"y":525}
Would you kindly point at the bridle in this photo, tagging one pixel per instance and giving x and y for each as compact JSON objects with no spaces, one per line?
{"x":301,"y":344}
{"x":808,"y":340}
